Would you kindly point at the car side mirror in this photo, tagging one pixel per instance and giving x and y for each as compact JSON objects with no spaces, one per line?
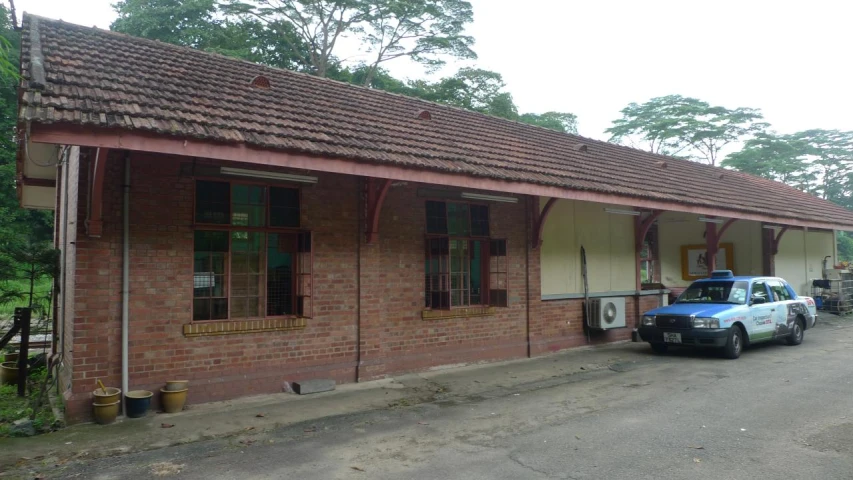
{"x":757,"y":301}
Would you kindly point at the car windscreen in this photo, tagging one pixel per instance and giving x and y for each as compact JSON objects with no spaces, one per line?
{"x":733,"y":292}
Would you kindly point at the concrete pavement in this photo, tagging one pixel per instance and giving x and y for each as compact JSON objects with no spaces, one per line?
{"x":265,"y":412}
{"x":606,"y":412}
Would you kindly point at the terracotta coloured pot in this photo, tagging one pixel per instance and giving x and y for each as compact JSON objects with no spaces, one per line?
{"x":11,"y":357}
{"x":176,"y":385}
{"x":173,"y":401}
{"x":9,"y":373}
{"x":111,"y":396}
{"x":105,"y":414}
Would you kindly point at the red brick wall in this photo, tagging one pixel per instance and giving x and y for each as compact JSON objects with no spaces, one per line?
{"x":394,"y":335}
{"x":367,"y":296}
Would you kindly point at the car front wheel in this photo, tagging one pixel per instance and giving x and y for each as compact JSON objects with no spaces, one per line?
{"x":735,"y":343}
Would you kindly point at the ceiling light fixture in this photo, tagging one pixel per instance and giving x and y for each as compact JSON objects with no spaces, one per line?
{"x":240,"y":172}
{"x":488,"y":198}
{"x":616,"y":211}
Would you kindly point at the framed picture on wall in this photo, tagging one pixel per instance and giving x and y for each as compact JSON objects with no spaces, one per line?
{"x":694,"y":265}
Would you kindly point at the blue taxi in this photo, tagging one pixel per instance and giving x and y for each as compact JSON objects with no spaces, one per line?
{"x":730,"y":312}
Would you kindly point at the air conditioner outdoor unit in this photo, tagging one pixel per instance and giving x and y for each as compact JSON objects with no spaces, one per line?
{"x":607,"y":313}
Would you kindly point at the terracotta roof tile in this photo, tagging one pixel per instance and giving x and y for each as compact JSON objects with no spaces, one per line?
{"x":104,"y":79}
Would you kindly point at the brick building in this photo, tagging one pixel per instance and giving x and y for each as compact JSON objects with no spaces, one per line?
{"x":274,"y":226}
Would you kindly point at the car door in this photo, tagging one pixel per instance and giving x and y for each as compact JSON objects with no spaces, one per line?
{"x":761,"y":309}
{"x":782,"y":299}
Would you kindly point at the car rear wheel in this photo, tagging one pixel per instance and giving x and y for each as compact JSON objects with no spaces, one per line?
{"x":796,"y":336}
{"x":660,"y":347}
{"x":735,"y":343}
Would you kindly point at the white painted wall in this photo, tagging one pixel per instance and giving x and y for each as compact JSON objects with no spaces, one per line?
{"x":677,"y":229}
{"x":607,"y":238}
{"x":800,"y":257}
{"x":39,"y":198}
{"x":609,"y":242}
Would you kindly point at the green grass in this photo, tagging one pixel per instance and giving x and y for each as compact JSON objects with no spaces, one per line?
{"x":13,"y":407}
{"x":41,"y":290}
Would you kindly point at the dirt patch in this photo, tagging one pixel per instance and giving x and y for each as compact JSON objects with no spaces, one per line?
{"x":837,"y":438}
{"x":164,"y":469}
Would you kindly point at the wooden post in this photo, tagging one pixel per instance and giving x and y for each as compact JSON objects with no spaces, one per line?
{"x":711,"y":247}
{"x":22,"y":316}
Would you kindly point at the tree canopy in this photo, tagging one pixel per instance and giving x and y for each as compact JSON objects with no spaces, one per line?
{"x":17,"y":222}
{"x":303,"y":35}
{"x":685,"y":126}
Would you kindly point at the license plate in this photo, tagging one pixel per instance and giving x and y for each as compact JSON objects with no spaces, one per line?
{"x":670,"y":337}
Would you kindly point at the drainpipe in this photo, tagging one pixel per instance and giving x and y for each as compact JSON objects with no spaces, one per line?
{"x":125,"y":281}
{"x":64,"y":254}
{"x":530,"y":204}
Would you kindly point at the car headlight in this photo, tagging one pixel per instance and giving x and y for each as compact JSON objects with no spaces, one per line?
{"x":648,"y":320}
{"x":706,"y":323}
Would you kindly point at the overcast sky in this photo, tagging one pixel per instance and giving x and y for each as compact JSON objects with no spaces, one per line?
{"x":593,"y":57}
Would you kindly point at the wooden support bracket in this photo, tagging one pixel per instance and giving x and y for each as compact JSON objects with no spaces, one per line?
{"x":539,"y":222}
{"x":643,"y":226}
{"x":723,"y":229}
{"x":774,"y":247}
{"x":376,"y":190}
{"x":95,"y":217}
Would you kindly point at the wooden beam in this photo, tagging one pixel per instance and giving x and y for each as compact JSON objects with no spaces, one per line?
{"x":240,"y":152}
{"x":539,"y":219}
{"x":95,"y":217}
{"x":375,"y":192}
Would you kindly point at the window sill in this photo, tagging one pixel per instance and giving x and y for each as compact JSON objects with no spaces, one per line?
{"x":457,"y":313}
{"x":235,"y":327}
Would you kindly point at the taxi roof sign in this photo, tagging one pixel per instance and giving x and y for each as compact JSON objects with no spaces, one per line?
{"x":722,"y":274}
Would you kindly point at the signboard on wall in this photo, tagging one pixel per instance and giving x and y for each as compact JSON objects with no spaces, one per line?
{"x":694,"y":265}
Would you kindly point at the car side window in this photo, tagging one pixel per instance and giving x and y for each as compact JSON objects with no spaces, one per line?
{"x":779,"y":292}
{"x":759,"y":293}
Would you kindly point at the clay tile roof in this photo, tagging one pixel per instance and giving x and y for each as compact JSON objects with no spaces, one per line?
{"x":79,"y":75}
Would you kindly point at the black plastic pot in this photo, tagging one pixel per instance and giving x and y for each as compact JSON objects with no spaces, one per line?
{"x":138,"y":403}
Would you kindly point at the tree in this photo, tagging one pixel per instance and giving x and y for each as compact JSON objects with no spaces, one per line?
{"x":180,"y":22}
{"x":419,"y":29}
{"x":16,"y":220}
{"x":830,"y":157}
{"x":319,"y":24}
{"x":684,"y":126}
{"x":845,"y":247}
{"x":816,"y":161}
{"x":201,"y":24}
{"x":472,"y":89}
{"x":559,"y":121}
{"x":772,"y":156}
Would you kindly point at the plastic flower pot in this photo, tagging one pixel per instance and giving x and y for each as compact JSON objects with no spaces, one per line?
{"x":176,"y":385}
{"x":106,"y":413}
{"x":173,"y":401}
{"x":9,"y":373}
{"x":111,"y":396}
{"x":137,"y":403}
